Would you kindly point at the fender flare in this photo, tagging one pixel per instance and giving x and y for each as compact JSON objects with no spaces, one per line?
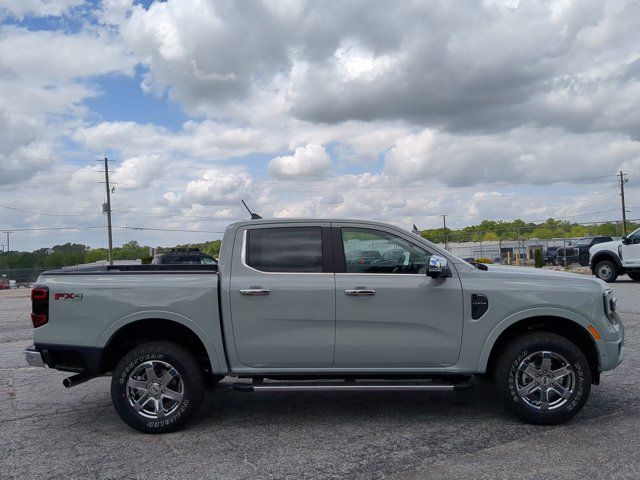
{"x":609,"y":255}
{"x":217,"y":365}
{"x":524,"y":315}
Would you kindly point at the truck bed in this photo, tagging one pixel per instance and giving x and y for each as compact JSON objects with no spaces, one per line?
{"x":133,"y":268}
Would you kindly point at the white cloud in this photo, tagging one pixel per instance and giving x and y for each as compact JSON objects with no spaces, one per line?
{"x":309,"y":160}
{"x":499,"y":99}
{"x":214,"y":188}
{"x":42,"y":86}
{"x":206,"y":139}
{"x":524,"y":155}
{"x":19,"y":9}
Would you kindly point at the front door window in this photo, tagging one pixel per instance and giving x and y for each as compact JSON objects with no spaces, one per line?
{"x":373,"y":251}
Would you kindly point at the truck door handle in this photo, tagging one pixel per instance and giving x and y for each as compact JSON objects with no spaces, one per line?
{"x":255,"y":292}
{"x":360,"y":292}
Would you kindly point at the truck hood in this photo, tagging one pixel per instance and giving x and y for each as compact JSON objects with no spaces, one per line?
{"x":613,"y":246}
{"x":524,"y":273}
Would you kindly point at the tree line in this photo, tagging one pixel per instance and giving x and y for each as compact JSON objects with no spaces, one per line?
{"x":76,"y":253}
{"x":491,"y":230}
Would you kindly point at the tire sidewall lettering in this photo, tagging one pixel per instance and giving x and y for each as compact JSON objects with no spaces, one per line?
{"x":577,"y":394}
{"x":512,"y":375}
{"x":124,"y":376}
{"x":168,"y":421}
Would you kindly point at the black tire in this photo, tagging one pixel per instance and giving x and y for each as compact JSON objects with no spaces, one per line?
{"x":635,"y":276}
{"x":509,"y":375}
{"x":584,"y":260}
{"x":185,"y":382}
{"x":606,"y":270}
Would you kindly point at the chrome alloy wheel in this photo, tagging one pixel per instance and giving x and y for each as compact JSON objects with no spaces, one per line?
{"x":155,"y":389}
{"x":545,"y":380}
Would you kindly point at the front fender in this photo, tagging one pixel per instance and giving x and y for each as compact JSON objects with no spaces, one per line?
{"x":217,"y":364}
{"x":605,"y":255}
{"x":526,"y":314}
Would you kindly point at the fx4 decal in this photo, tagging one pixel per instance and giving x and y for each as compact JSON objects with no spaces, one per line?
{"x":68,"y":296}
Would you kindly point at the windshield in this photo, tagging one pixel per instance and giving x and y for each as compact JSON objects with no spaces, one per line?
{"x":634,"y":235}
{"x":581,"y":241}
{"x":456,"y":257}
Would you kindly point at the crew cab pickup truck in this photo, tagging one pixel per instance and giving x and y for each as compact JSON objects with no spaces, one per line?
{"x":292,"y":307}
{"x":610,"y":259}
{"x":578,"y":250}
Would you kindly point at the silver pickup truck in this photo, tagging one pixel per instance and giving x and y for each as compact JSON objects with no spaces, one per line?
{"x":299,"y":305}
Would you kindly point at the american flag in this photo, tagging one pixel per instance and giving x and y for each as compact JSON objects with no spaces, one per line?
{"x":416,"y":231}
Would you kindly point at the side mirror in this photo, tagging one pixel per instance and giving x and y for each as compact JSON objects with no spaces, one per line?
{"x":438,"y":267}
{"x":625,"y":240}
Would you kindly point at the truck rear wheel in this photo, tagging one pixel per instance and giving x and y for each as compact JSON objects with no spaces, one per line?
{"x":156,"y":387}
{"x":606,"y":270}
{"x":543,"y":378}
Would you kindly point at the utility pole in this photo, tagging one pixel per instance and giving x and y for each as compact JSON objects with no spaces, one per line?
{"x":8,"y":232}
{"x":444,"y":222}
{"x":623,"y":180}
{"x":107,"y":208}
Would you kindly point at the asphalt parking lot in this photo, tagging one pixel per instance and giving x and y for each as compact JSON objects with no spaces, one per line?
{"x":50,"y":432}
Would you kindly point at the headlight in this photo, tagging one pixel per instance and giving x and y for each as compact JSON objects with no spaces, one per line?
{"x":610,"y":305}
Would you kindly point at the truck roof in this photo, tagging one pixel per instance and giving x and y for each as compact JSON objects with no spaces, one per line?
{"x":267,"y":221}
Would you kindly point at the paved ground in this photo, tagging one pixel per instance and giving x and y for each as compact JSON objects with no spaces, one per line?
{"x":50,"y":432}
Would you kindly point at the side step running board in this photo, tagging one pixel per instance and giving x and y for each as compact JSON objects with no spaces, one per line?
{"x":349,"y":386}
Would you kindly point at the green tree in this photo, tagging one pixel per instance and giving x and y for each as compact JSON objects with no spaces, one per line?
{"x":96,"y":254}
{"x":539,"y":261}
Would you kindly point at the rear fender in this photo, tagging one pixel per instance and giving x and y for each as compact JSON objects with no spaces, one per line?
{"x":218,"y":364}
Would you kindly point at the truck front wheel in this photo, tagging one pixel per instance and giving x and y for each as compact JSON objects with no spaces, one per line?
{"x":543,"y":378}
{"x":156,"y":387}
{"x":606,"y":270}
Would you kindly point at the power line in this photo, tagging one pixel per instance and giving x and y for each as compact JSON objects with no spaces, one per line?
{"x":44,"y":229}
{"x":48,"y":214}
{"x":168,"y":229}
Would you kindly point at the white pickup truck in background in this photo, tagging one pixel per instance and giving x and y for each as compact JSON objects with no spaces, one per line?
{"x":609,"y":260}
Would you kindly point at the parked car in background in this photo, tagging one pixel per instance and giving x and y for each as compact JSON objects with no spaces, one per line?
{"x":13,"y":284}
{"x":550,"y":255}
{"x":365,"y":257}
{"x":4,"y":283}
{"x":290,"y":313}
{"x":178,"y":256}
{"x":578,"y":250}
{"x":611,"y":259}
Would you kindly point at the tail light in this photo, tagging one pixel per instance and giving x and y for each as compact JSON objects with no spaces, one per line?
{"x":39,"y":306}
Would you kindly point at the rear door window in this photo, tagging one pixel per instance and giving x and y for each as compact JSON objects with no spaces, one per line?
{"x":285,"y":249}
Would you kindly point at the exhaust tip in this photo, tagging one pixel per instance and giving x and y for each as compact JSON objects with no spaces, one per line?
{"x":76,"y":379}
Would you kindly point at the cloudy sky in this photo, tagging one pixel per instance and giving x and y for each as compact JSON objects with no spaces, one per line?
{"x":395,"y":111}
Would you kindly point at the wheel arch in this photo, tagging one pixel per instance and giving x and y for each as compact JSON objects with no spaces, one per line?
{"x":606,"y":255}
{"x":142,"y":327}
{"x":571,"y":329}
